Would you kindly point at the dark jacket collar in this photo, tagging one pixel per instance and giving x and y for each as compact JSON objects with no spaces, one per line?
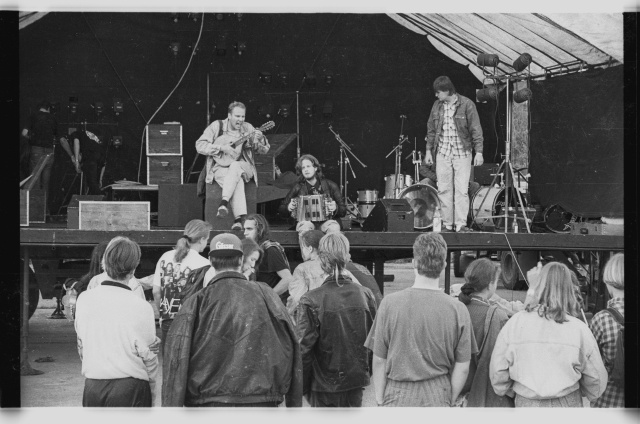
{"x":115,"y":284}
{"x":226,"y":274}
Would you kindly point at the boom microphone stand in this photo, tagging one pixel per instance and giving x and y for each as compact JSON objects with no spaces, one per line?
{"x":344,"y":164}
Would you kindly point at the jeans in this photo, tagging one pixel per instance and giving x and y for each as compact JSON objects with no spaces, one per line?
{"x":92,"y":174}
{"x":118,"y":392}
{"x":453,"y":186}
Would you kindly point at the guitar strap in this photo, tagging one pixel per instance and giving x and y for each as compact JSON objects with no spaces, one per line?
{"x":201,"y":186}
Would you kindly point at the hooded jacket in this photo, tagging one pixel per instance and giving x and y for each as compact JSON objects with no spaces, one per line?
{"x":232,"y":342}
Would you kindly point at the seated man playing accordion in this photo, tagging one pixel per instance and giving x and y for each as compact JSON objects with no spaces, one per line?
{"x":312,"y":183}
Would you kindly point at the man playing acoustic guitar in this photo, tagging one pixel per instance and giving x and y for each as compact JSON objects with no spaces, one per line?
{"x":229,"y":146}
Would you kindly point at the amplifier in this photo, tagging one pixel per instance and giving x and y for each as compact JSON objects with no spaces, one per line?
{"x":485,"y":173}
{"x":164,"y":170}
{"x":395,"y":215}
{"x":164,"y":139}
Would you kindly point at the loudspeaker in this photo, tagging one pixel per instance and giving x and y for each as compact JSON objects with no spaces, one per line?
{"x":178,"y":204}
{"x":390,"y":215}
{"x":485,"y":173}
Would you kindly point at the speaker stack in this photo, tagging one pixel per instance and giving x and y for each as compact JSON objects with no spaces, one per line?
{"x":394,"y":215}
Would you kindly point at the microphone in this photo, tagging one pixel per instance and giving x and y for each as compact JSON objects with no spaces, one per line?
{"x":403,"y":116}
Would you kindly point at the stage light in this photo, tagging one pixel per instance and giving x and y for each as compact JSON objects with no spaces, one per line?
{"x":521,"y":63}
{"x":221,"y":45}
{"x":310,"y":79}
{"x":220,"y":16}
{"x":486,"y":59}
{"x":284,"y":110}
{"x":98,"y":107}
{"x":118,"y":106}
{"x":328,"y":80}
{"x":73,"y":104}
{"x":239,"y":16}
{"x":265,"y":110}
{"x":175,"y":18}
{"x":240,"y":46}
{"x":265,"y":77}
{"x":327,"y":109}
{"x":174,"y":46}
{"x":522,"y":95}
{"x":284,"y":78}
{"x":116,"y":140}
{"x":486,"y":94}
{"x":309,"y":109}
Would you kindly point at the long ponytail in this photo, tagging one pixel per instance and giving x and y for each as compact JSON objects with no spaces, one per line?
{"x":193,"y":231}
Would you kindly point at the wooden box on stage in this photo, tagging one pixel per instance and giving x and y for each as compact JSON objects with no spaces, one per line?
{"x":164,"y":139}
{"x":164,"y":170}
{"x":114,"y":216}
{"x":597,"y":228}
{"x":33,"y":206}
{"x":73,"y":209}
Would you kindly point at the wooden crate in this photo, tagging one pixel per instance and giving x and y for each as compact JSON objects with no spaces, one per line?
{"x":24,"y":208}
{"x":114,"y":216}
{"x":73,"y":209}
{"x":164,"y":170}
{"x":164,"y":139}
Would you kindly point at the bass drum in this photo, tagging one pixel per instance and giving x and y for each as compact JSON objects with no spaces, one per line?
{"x":424,"y":201}
{"x":487,"y":207}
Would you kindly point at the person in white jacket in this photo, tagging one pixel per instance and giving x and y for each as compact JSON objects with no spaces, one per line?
{"x":544,"y":355}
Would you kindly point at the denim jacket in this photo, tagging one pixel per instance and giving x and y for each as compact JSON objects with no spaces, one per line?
{"x":467,"y":123}
{"x":334,"y":321}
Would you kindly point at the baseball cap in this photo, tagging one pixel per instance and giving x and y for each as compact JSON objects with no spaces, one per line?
{"x":225,"y":245}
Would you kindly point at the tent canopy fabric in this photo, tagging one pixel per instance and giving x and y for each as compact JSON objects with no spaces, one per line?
{"x":555,"y":41}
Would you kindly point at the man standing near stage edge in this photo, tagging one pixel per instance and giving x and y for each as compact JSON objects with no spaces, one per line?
{"x":312,"y":182}
{"x":453,"y":129}
{"x":230,"y":178}
{"x":232,"y":343}
{"x":422,"y":338}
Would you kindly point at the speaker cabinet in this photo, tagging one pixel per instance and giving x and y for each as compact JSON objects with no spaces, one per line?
{"x":395,"y":215}
{"x":178,"y":204}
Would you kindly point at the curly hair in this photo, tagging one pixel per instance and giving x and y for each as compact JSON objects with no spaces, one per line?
{"x":314,"y":162}
{"x":262,"y":226}
{"x":430,"y":254}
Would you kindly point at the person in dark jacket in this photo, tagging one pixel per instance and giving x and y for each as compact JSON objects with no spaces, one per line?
{"x":231,"y":343}
{"x":333,"y":324}
{"x":312,"y":182}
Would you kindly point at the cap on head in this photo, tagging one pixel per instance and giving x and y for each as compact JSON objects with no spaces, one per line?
{"x":225,"y":245}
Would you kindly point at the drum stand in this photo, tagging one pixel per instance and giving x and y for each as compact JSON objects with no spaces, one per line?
{"x":398,"y":184}
{"x":344,"y":163}
{"x":509,"y":175}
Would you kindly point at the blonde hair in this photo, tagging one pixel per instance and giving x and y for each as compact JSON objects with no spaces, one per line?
{"x":193,"y":231}
{"x":613,"y":273}
{"x":555,"y":296}
{"x":333,"y":252}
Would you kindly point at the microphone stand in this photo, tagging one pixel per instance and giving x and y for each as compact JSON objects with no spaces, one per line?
{"x":345,"y":164}
{"x":398,"y":179}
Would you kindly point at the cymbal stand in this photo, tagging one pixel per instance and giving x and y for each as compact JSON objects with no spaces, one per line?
{"x":344,"y":164}
{"x":398,"y":180}
{"x":416,"y":162}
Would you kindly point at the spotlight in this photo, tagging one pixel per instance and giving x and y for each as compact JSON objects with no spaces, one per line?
{"x":328,"y":80}
{"x":486,"y":59}
{"x":327,"y":109}
{"x":174,"y":46}
{"x":73,"y":104}
{"x":175,"y":18}
{"x":55,"y":107}
{"x":221,"y":45}
{"x":116,"y":140}
{"x":284,"y":78}
{"x":118,"y":107}
{"x":265,"y":77}
{"x":265,"y":110}
{"x":98,"y":107}
{"x":193,"y":17}
{"x":309,"y":109}
{"x":486,"y":94}
{"x":239,"y":16}
{"x":284,"y":110}
{"x":220,"y":16}
{"x":310,"y":79}
{"x":522,"y":95}
{"x":240,"y":46}
{"x":521,"y":63}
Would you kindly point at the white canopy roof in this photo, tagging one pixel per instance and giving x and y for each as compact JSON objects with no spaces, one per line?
{"x":556,"y":42}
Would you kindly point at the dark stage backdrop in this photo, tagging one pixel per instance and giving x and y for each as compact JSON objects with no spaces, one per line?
{"x":380,"y":71}
{"x":576,"y":143}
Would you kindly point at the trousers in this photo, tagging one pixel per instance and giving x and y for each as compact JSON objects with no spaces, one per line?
{"x":117,"y":392}
{"x":350,"y":398}
{"x":453,"y":186}
{"x":231,"y":179}
{"x":433,"y":392}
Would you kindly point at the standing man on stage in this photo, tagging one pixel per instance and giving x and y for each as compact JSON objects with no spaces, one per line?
{"x":311,"y":181}
{"x":452,"y":130}
{"x":90,"y":153}
{"x":42,"y":133}
{"x":230,"y":178}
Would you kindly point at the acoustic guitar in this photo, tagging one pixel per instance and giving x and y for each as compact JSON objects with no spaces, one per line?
{"x":227,"y":159}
